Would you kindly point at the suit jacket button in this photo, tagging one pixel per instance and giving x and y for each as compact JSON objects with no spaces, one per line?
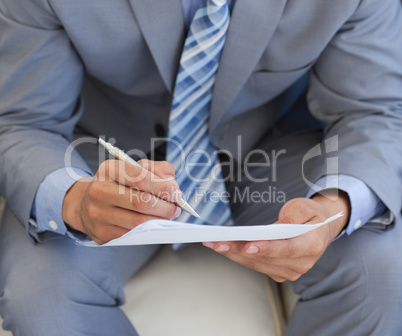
{"x":160,"y":130}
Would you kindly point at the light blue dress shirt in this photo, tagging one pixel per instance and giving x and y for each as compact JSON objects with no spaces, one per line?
{"x":191,"y":6}
{"x":48,"y":203}
{"x":363,"y":202}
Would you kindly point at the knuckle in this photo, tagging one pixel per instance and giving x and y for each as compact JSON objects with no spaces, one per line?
{"x":139,"y":183}
{"x":144,"y":162}
{"x":134,"y":197}
{"x":95,"y":190}
{"x":316,"y":249}
{"x":300,"y":206}
{"x":292,"y":203}
{"x":303,"y":210}
{"x":278,"y":279}
{"x":166,"y":190}
{"x":93,"y":213}
{"x":251,"y":265}
{"x":293,"y":277}
{"x":166,"y":167}
{"x":302,"y":268}
{"x":287,"y":220}
{"x":145,"y":205}
{"x":141,"y":180}
{"x":106,"y":167}
{"x":295,"y":204}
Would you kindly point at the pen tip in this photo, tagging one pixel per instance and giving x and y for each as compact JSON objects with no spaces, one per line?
{"x":193,"y":212}
{"x":187,"y":207}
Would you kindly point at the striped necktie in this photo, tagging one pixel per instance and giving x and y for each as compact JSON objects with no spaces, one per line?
{"x":198,"y":171}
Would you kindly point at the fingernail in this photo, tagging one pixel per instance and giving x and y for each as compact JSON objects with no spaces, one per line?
{"x":209,"y":245}
{"x":223,"y":248}
{"x":177,"y":213}
{"x":176,"y":196}
{"x":252,"y":249}
{"x":169,"y":177}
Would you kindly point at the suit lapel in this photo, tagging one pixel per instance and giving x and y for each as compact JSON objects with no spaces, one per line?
{"x":162,"y":25}
{"x":251,"y":27}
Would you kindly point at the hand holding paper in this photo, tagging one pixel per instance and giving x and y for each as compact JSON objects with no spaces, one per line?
{"x":288,"y":259}
{"x":171,"y":232}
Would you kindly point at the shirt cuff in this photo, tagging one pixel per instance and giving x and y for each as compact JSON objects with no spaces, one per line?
{"x":46,"y":214}
{"x":365,"y":204}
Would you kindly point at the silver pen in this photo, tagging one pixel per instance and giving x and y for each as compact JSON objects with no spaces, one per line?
{"x":120,"y":155}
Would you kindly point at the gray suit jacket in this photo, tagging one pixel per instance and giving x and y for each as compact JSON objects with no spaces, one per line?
{"x":110,"y":66}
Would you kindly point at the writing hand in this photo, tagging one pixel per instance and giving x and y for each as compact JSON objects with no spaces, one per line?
{"x":288,"y":259}
{"x":121,"y":196}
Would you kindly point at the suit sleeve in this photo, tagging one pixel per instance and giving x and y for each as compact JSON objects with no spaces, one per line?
{"x":40,"y":81}
{"x":356,"y":89}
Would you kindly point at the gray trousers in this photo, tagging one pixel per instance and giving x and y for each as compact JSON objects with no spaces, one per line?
{"x":59,"y":288}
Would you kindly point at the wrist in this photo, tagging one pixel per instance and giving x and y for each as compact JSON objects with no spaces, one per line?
{"x":72,"y":204}
{"x":334,"y":201}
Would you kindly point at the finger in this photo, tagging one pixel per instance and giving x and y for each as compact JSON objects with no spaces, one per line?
{"x":264,"y":250}
{"x":278,"y":273}
{"x":260,"y":250}
{"x":300,"y":211}
{"x":111,"y":194}
{"x":221,"y":247}
{"x":278,"y":279}
{"x":162,"y":169}
{"x":140,"y":178}
{"x":148,"y":204}
{"x":280,"y":269}
{"x":105,"y":233}
{"x":256,"y":249}
{"x":309,"y":244}
{"x":126,"y":219}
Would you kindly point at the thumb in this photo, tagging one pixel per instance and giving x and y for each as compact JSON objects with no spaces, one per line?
{"x":297,"y":211}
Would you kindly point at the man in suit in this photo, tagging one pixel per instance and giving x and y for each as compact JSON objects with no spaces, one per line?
{"x":76,"y":69}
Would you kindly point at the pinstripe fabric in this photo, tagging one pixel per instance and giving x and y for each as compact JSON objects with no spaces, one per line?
{"x":198,"y":170}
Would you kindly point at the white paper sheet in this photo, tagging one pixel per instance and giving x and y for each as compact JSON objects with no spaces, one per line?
{"x":171,"y":232}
